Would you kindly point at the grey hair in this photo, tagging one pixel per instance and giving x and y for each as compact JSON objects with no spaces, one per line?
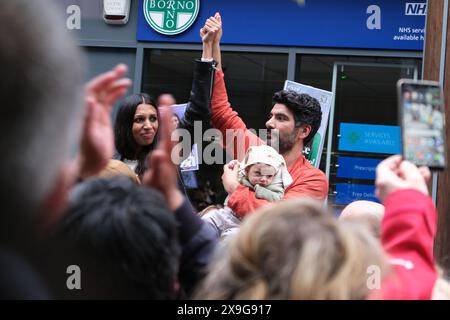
{"x":40,"y":92}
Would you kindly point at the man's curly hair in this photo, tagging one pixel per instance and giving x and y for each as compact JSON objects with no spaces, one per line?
{"x":306,"y":109}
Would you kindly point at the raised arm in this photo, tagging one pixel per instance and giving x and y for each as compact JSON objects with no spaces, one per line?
{"x":223,"y":116}
{"x":199,"y":105}
{"x":97,"y":141}
{"x":217,"y":55}
{"x":407,"y":230}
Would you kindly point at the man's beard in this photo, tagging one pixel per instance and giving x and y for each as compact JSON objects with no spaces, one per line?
{"x":283,"y":143}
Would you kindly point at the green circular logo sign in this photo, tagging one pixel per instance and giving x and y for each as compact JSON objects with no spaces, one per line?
{"x":171,"y":17}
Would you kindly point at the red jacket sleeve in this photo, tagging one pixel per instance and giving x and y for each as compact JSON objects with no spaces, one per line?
{"x":407,"y":233}
{"x":236,"y":138}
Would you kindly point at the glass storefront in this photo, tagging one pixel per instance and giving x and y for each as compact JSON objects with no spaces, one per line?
{"x":365,"y":101}
{"x":364,"y":121}
{"x":251,"y":80}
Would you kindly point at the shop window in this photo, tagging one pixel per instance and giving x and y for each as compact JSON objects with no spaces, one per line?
{"x":365,"y":107}
{"x":251,"y":80}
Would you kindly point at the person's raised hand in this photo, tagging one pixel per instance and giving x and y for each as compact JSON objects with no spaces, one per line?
{"x":212,"y":30}
{"x":208,"y":34}
{"x":218,"y":21}
{"x":97,"y":139}
{"x":394,"y":174}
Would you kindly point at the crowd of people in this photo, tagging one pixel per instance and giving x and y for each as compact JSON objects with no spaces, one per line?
{"x":109,"y":199}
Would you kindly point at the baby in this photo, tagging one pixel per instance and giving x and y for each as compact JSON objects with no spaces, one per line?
{"x":264,"y":171}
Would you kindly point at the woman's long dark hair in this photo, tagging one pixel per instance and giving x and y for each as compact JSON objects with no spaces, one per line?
{"x":123,"y":136}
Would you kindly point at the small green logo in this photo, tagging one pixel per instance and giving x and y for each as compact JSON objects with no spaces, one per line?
{"x":353,"y":137}
{"x":171,"y":17}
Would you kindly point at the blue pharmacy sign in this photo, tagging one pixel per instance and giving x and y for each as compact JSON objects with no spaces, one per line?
{"x":369,"y":138}
{"x":347,"y":192}
{"x":357,"y":168}
{"x":365,"y":24}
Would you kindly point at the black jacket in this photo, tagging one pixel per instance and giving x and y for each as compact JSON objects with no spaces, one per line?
{"x":198,"y":107}
{"x":197,"y":238}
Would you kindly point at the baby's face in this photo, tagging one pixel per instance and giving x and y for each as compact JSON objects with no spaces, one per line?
{"x":261,"y":174}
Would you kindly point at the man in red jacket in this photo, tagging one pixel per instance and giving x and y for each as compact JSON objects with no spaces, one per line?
{"x":294,"y":118}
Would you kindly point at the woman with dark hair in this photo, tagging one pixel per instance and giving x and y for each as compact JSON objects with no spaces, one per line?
{"x":136,"y":127}
{"x":136,"y":130}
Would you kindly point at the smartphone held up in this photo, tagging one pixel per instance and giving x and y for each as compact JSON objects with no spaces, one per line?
{"x":422,"y":120}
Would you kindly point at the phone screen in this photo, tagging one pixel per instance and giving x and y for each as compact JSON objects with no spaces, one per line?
{"x":422,"y":116}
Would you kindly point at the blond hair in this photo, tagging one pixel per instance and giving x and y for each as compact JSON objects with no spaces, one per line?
{"x":294,"y":250}
{"x":118,"y":168}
